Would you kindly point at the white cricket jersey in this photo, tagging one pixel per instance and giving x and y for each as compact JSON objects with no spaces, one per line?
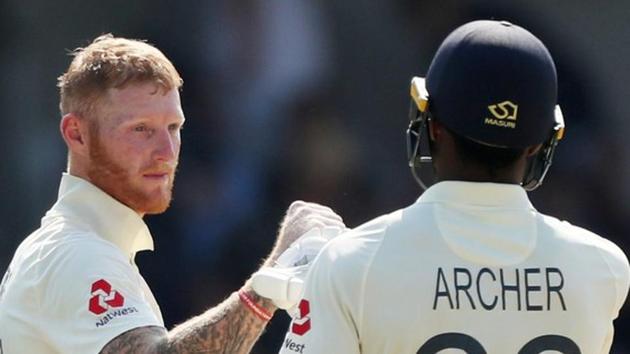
{"x":470,"y":267}
{"x":72,"y":285}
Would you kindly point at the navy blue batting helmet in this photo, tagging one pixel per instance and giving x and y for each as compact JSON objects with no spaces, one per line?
{"x":494,"y":83}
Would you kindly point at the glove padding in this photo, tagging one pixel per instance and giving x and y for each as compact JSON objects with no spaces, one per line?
{"x":284,"y":282}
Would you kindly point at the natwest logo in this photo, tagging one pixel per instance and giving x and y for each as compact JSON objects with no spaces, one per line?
{"x":302,"y":323}
{"x":104,"y":297}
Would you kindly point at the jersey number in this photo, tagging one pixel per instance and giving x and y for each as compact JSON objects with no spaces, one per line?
{"x":471,"y":346}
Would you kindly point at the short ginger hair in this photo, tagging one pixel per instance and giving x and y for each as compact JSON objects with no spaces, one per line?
{"x":112,"y":62}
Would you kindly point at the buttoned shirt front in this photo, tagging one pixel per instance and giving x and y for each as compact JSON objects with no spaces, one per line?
{"x":72,"y":285}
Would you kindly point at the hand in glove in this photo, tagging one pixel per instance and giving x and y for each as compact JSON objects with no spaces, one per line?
{"x":283,"y":282}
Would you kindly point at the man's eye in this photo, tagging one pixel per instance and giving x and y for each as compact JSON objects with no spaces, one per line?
{"x":140,"y":128}
{"x":175,"y":127}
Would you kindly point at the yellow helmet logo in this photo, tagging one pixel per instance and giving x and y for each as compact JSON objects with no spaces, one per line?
{"x":504,"y":114}
{"x":504,"y":110}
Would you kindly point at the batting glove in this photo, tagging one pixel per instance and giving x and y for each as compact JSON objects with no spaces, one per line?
{"x":284,"y":282}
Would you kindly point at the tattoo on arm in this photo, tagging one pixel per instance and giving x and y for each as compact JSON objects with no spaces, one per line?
{"x":142,"y":340}
{"x":227,"y":328}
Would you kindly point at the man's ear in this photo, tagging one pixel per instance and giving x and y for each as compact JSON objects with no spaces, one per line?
{"x":74,"y":131}
{"x":532,"y":150}
{"x":435,"y":130}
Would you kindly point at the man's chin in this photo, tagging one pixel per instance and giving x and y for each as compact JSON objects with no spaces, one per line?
{"x":155,"y":206}
{"x":157,"y":210}
{"x":151,"y":203}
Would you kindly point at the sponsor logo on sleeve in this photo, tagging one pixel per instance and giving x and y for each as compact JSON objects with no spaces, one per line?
{"x":290,"y":345}
{"x":108,"y":301}
{"x":302,"y":323}
{"x":104,"y":297}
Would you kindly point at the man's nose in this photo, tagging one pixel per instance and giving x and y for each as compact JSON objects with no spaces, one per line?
{"x":167,"y":146}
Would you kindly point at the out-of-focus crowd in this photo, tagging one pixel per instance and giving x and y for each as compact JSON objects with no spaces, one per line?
{"x":300,"y":100}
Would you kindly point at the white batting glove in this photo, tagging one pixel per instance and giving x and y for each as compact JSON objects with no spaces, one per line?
{"x":301,"y":217}
{"x":284,"y":282}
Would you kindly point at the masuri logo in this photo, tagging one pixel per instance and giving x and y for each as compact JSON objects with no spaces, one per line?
{"x":504,"y":114}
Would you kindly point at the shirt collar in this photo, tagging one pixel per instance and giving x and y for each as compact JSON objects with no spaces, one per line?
{"x":482,"y":194}
{"x":110,"y":219}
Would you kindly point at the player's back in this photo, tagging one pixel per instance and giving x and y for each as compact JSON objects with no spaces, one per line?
{"x":550,"y":286}
{"x":473,"y":267}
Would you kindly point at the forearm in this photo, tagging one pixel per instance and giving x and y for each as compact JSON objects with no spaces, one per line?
{"x":230,"y":327}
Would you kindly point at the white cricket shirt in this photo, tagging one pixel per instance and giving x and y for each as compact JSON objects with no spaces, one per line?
{"x":72,"y":285}
{"x":470,"y":267}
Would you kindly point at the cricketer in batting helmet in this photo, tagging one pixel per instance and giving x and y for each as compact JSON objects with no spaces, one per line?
{"x":493,"y":84}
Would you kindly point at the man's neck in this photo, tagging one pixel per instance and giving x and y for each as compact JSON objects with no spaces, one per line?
{"x":478,"y":175}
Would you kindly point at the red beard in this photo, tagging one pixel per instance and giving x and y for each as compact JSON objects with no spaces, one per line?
{"x":115,"y":180}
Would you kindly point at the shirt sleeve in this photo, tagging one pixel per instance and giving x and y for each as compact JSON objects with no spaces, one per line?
{"x":93,"y":294}
{"x":617,"y":262}
{"x":623,"y":276}
{"x":327,"y":317}
{"x":618,"y":265}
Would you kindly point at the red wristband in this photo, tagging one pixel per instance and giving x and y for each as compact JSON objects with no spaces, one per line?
{"x":257,"y":310}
